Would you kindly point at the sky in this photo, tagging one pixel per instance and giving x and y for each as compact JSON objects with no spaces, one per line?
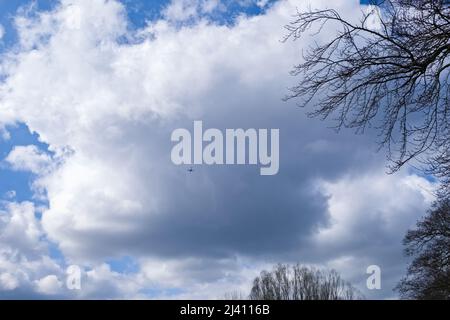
{"x":90,"y":92}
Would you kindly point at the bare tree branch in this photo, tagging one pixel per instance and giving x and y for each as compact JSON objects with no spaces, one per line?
{"x":394,"y":78}
{"x":286,"y":282}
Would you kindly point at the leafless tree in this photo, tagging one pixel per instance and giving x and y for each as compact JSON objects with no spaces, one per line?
{"x":429,"y":273}
{"x":234,"y":295}
{"x":296,"y":282}
{"x":393,"y":77}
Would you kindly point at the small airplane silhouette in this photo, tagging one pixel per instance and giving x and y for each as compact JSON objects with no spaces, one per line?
{"x":190,"y":170}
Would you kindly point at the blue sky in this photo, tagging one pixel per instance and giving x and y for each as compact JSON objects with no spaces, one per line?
{"x":13,"y":180}
{"x":108,"y":198}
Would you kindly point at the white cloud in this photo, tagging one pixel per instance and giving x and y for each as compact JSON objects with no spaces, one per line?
{"x":29,"y":158}
{"x":23,"y":251}
{"x":94,"y":95}
{"x":392,"y":202}
{"x":49,"y":285}
{"x":8,"y":281}
{"x":20,"y":228}
{"x":369,"y":215}
{"x":2,"y":32}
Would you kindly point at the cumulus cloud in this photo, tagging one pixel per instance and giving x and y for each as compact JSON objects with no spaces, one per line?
{"x":106,"y":98}
{"x":49,"y":285}
{"x":369,"y":214}
{"x":20,"y":228}
{"x":29,"y":158}
{"x":23,"y":254}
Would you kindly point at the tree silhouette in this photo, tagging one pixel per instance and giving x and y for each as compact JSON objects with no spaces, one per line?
{"x":428,"y":275}
{"x":393,"y":77}
{"x":296,"y":282}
